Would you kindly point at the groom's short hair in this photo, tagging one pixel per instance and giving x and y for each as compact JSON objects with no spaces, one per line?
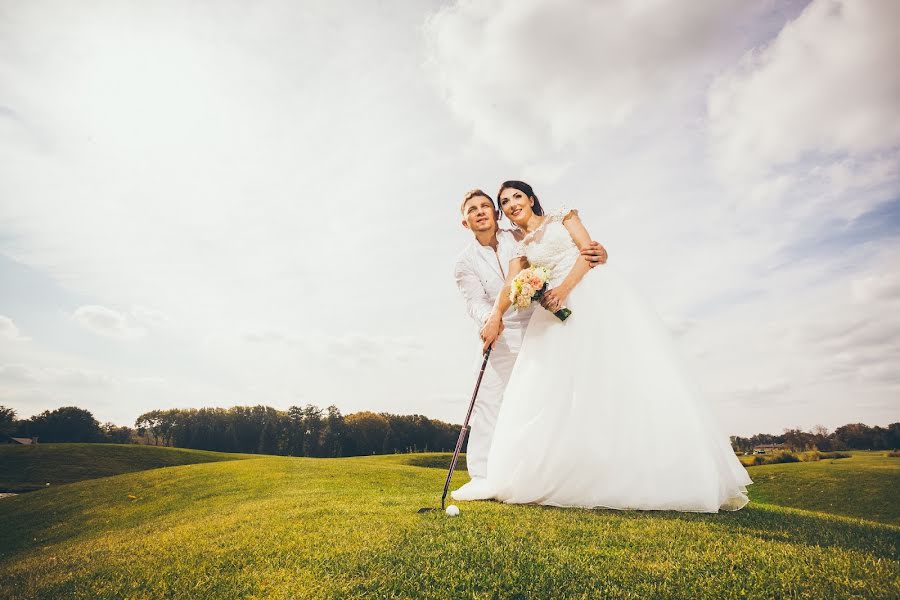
{"x":474,"y":194}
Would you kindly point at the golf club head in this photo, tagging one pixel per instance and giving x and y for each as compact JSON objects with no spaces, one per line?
{"x":426,"y":509}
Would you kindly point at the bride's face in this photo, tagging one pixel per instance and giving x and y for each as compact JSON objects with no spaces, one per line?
{"x":516,"y":205}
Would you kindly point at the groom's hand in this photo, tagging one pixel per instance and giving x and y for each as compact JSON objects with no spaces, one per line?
{"x":482,"y":332}
{"x":490,"y":332}
{"x":595,"y":254}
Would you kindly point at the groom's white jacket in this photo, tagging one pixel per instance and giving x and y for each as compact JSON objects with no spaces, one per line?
{"x":480,"y":275}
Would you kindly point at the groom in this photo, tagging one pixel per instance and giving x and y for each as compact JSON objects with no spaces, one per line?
{"x":480,"y":274}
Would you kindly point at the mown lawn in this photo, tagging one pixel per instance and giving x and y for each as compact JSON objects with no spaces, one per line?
{"x":866,"y":485}
{"x":27,"y":468}
{"x":291,"y":527}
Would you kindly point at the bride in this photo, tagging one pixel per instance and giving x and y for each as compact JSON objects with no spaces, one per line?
{"x":599,"y":411}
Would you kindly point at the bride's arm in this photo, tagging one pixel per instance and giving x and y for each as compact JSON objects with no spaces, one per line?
{"x":554,"y":299}
{"x":494,"y":324}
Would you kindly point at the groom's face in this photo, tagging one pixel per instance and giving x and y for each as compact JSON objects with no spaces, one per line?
{"x":479,"y":215}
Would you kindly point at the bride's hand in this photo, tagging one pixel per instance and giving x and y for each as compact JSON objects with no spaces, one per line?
{"x":490,"y":332}
{"x":554,"y":299}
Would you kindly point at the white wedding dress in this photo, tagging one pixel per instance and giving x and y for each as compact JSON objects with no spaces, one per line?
{"x":599,"y":411}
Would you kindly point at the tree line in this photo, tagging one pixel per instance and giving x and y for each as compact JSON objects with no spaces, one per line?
{"x":853,"y":436}
{"x":312,"y":431}
{"x":298,"y":431}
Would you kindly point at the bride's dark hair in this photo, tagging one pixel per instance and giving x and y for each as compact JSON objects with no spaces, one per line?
{"x":525,"y":189}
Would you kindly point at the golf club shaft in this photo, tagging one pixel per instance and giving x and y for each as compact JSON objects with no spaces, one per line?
{"x":465,"y":428}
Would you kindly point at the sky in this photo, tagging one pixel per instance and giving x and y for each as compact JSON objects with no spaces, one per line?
{"x":236,"y":203}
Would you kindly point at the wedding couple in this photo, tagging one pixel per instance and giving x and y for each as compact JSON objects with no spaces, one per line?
{"x":592,"y":411}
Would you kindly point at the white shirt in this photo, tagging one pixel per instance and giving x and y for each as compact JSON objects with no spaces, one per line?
{"x":480,"y":275}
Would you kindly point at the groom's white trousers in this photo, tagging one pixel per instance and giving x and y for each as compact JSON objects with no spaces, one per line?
{"x":490,"y":396}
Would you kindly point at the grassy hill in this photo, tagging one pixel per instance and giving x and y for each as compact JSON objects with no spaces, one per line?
{"x":292,"y":527}
{"x":27,"y":468}
{"x":864,"y":486}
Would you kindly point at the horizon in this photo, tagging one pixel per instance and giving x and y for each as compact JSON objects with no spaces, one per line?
{"x":213,"y":203}
{"x":132,"y":426}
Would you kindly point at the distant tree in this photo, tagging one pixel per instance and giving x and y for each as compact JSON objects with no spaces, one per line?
{"x":879,"y":437}
{"x":893,"y":436}
{"x":368,"y":431}
{"x":65,"y":424}
{"x":296,"y":431}
{"x":313,"y":424}
{"x":151,"y":422}
{"x":266,"y":421}
{"x":229,"y":439}
{"x":246,"y":428}
{"x":114,"y":434}
{"x":7,"y":421}
{"x":741,"y":444}
{"x":797,"y":439}
{"x":334,"y":433}
{"x":820,"y":431}
{"x":444,"y":436}
{"x":855,"y":435}
{"x":821,"y":438}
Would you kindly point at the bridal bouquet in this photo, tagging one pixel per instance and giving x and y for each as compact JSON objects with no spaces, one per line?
{"x":530,"y":285}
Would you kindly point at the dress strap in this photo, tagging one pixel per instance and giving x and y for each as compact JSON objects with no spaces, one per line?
{"x":560,"y":214}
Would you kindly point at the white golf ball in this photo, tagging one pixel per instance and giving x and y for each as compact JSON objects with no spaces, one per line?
{"x":453,"y":510}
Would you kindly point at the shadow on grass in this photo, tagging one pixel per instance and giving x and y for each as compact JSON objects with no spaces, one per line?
{"x":761,"y":551}
{"x":439,"y":461}
{"x":772,"y":523}
{"x":779,"y":524}
{"x":21,"y":488}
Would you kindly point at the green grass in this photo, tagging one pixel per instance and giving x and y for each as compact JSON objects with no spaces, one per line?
{"x":276,"y":527}
{"x":865,"y":486}
{"x":28,"y":468}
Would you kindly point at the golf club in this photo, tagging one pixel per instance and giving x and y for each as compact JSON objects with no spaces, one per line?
{"x":462,"y":434}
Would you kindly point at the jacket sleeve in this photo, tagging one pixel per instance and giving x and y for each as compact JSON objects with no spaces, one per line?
{"x":478,"y":303}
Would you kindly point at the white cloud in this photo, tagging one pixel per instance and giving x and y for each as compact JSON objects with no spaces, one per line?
{"x":267,"y":337}
{"x":357,"y":349}
{"x":354,"y":349}
{"x":107,"y":322}
{"x":767,"y":392}
{"x":150,"y":317}
{"x":815,"y":343}
{"x":803,"y":129}
{"x":9,"y":331}
{"x":828,"y":85}
{"x":16,"y":373}
{"x":72,"y":377}
{"x":529,"y":77}
{"x":151,"y":381}
{"x":65,"y":377}
{"x":878,"y":286}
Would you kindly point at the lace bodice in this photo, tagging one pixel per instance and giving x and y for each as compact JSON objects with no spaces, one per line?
{"x":551,"y":246}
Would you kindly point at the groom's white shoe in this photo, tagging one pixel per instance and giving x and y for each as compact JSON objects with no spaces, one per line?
{"x":476,"y":489}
